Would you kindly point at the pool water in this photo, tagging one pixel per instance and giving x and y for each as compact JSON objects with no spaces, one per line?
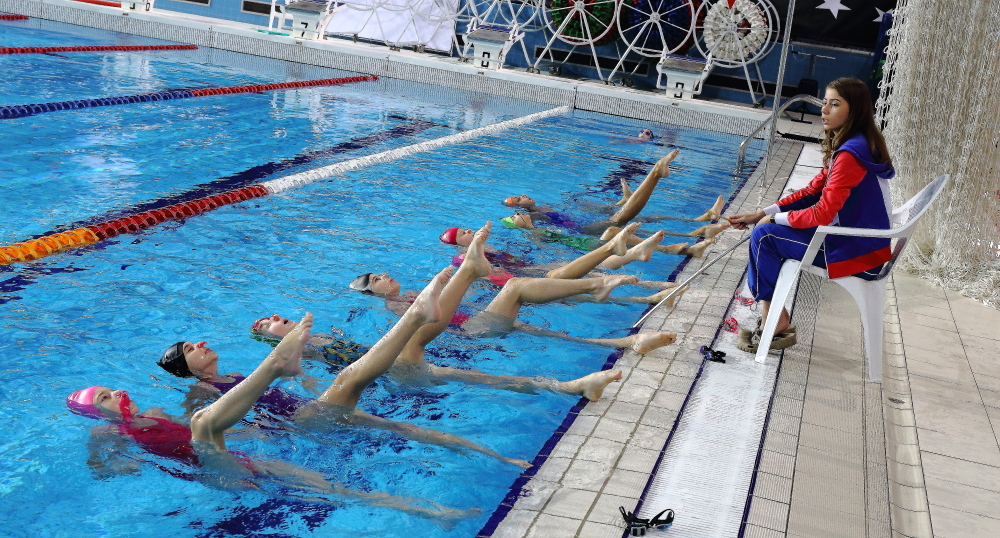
{"x":104,"y":314}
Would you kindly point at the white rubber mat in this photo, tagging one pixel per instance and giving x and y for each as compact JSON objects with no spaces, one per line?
{"x":706,"y":471}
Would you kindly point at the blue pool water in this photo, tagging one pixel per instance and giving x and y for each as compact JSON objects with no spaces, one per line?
{"x":103,"y":314}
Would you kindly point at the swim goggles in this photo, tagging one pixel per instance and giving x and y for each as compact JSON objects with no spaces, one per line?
{"x":712,"y":355}
{"x":638,"y":526}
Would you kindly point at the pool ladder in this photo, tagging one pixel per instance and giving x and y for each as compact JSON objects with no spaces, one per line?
{"x":741,"y":156}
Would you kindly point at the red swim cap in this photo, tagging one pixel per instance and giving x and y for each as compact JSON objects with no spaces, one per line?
{"x":449,"y":235}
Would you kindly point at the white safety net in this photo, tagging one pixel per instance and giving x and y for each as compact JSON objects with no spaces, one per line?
{"x":940,"y":114}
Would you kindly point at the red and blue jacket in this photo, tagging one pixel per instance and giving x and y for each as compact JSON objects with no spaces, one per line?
{"x":852,"y":191}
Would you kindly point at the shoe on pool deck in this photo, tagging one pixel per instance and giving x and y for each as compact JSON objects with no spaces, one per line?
{"x":780,"y":341}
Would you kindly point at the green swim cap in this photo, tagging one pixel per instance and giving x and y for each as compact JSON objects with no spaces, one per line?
{"x":509,"y":222}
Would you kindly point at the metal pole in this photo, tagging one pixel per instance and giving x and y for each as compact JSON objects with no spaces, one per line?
{"x":697,"y":273}
{"x":777,"y":93}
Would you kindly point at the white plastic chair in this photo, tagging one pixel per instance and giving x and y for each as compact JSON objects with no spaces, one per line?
{"x":869,"y":295}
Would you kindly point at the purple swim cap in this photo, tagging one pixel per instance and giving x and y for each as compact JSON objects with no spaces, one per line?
{"x":81,"y":402}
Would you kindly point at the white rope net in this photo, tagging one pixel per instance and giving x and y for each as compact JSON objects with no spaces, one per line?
{"x":938,"y":106}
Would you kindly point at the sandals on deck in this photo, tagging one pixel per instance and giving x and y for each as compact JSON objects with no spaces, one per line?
{"x":749,"y":340}
{"x":745,"y":334}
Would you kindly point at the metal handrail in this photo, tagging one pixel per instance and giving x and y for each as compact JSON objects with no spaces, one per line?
{"x":798,"y":98}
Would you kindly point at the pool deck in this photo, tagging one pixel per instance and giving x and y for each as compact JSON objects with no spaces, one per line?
{"x":914,"y":456}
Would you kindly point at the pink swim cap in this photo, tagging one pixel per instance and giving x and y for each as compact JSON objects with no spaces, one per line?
{"x":449,"y":235}
{"x":81,"y":402}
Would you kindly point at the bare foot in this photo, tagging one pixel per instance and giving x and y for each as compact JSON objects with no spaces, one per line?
{"x":644,"y":250}
{"x":475,"y":256}
{"x":286,"y":359}
{"x":710,"y":230}
{"x":698,"y":250}
{"x":607,"y":283}
{"x":619,"y":243}
{"x":626,"y":192}
{"x":714,"y":212}
{"x":662,"y":167}
{"x":427,"y":306}
{"x":592,"y":385}
{"x":659,"y":296}
{"x":676,"y":248}
{"x":646,"y":342}
{"x":524,"y":464}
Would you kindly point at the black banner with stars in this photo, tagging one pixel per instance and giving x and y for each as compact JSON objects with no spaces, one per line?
{"x":843,"y":23}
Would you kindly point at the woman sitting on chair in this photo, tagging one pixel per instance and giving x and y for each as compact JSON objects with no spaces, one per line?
{"x":852,"y":190}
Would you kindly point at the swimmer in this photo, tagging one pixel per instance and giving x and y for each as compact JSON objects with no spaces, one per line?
{"x":644,"y":135}
{"x":613,"y":254}
{"x":410,"y":367}
{"x":338,"y":403}
{"x":584,"y":242}
{"x":500,"y":316}
{"x":632,"y":204}
{"x":202,"y":444}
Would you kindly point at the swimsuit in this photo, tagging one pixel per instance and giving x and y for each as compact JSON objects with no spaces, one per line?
{"x":458,"y":319}
{"x":166,"y":438}
{"x":342,"y":352}
{"x":170,"y":440}
{"x":274,"y":401}
{"x":561,"y":220}
{"x":580,"y":242}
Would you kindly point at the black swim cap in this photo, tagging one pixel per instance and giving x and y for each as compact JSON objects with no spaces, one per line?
{"x":362,"y":284}
{"x":174,"y":362}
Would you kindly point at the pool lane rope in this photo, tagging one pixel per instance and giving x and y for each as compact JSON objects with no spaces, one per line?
{"x":41,"y":247}
{"x":317,"y":174}
{"x":6,"y":17}
{"x":100,"y":3}
{"x":96,"y":48}
{"x":21,"y":111}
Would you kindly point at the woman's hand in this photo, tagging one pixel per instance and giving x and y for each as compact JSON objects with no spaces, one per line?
{"x":741,"y":220}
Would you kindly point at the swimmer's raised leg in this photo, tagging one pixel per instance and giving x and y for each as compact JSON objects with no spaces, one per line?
{"x":626,"y":192}
{"x":518,"y":291}
{"x":346,"y":388}
{"x":634,"y":240}
{"x":615,"y":248}
{"x":641,"y":252}
{"x":474,"y":266}
{"x":209,"y":424}
{"x":638,"y":199}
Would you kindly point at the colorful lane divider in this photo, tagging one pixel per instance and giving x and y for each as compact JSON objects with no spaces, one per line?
{"x":6,"y":17}
{"x":256,"y":174}
{"x":21,"y":111}
{"x":99,"y":48}
{"x":101,"y":3}
{"x":50,"y":244}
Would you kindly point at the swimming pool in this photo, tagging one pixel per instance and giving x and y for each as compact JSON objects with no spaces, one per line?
{"x":103,"y":314}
